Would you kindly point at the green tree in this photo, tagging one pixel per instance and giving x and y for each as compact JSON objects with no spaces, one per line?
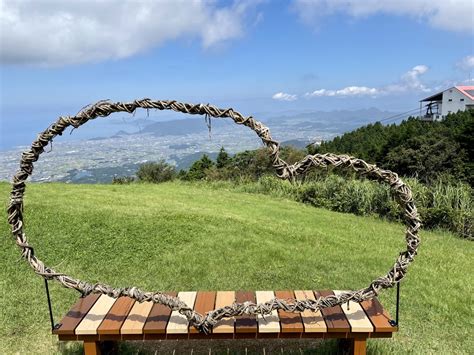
{"x":222,"y":159}
{"x":413,"y":147}
{"x":427,"y":157}
{"x":252,"y":163}
{"x":198,"y":170}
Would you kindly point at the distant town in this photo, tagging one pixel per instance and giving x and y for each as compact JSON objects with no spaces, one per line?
{"x":179,"y":142}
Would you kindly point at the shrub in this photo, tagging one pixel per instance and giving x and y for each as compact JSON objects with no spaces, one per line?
{"x":156,"y":172}
{"x":123,"y":180}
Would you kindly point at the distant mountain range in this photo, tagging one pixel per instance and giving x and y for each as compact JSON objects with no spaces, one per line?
{"x":181,"y":127}
{"x":338,"y":122}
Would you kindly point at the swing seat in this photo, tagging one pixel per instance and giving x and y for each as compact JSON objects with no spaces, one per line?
{"x":96,"y":318}
{"x":140,"y":314}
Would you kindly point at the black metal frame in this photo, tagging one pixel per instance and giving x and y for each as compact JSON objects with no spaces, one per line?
{"x":393,"y":322}
{"x":51,"y":318}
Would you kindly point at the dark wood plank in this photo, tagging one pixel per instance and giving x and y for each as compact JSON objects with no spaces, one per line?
{"x":114,"y":319}
{"x":291,"y":323}
{"x":75,"y":315}
{"x":158,"y":318}
{"x":378,"y":315}
{"x":205,"y":301}
{"x":334,"y":317}
{"x":245,"y":326}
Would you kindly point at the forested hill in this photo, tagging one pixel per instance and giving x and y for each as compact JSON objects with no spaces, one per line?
{"x":414,"y":147}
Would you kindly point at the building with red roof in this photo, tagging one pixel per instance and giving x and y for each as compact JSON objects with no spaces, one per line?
{"x":457,"y":98}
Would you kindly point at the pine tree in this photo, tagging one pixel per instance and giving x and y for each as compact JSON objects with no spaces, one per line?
{"x":223,"y":159}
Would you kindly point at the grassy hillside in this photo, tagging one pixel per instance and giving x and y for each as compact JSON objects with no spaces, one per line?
{"x":178,"y":236}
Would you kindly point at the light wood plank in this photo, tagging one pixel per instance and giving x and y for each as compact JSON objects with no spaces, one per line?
{"x":178,"y":324}
{"x":95,"y":316}
{"x":356,"y":316}
{"x":271,"y":322}
{"x":136,"y":318}
{"x":313,"y":321}
{"x":223,"y":299}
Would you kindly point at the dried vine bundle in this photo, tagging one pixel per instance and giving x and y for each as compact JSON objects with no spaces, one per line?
{"x":204,"y":323}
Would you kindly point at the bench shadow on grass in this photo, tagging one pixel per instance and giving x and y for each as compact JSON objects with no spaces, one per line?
{"x":196,"y":347}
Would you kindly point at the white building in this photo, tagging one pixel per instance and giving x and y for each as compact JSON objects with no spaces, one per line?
{"x":457,"y":98}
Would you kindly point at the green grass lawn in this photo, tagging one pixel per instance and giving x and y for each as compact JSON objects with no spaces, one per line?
{"x":178,"y":236}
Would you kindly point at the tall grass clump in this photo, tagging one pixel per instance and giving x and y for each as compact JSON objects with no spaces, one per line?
{"x":449,"y":206}
{"x":442,"y":204}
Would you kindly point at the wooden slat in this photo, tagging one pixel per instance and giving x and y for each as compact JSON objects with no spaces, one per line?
{"x":334,"y":316}
{"x":95,"y":316}
{"x":114,"y":319}
{"x":75,"y":315}
{"x":271,"y":323}
{"x":205,"y":301}
{"x":178,"y":324}
{"x":356,"y":316}
{"x":223,"y":299}
{"x":313,"y":321}
{"x":378,"y":315}
{"x":158,"y":318}
{"x":290,"y":322}
{"x":245,"y":324}
{"x":136,"y":318}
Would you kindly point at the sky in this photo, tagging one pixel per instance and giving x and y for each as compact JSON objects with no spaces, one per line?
{"x":259,"y":57}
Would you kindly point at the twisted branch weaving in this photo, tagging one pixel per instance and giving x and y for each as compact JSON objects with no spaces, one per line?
{"x":205,"y":323}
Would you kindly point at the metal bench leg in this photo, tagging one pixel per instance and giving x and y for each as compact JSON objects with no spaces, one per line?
{"x":91,"y":348}
{"x":359,"y":346}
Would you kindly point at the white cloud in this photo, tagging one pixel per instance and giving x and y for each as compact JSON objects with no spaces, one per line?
{"x":347,"y":91}
{"x":320,"y":92}
{"x":451,"y":15}
{"x":282,"y":96}
{"x":467,"y":63}
{"x":58,"y":32}
{"x":357,"y":91}
{"x":410,"y":81}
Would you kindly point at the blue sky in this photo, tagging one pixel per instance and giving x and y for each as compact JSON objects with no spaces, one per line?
{"x":260,"y":57}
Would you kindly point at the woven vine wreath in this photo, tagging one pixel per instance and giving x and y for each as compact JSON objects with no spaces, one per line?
{"x":205,"y":323}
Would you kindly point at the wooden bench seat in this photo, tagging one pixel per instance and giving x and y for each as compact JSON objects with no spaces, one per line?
{"x":98,"y":318}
